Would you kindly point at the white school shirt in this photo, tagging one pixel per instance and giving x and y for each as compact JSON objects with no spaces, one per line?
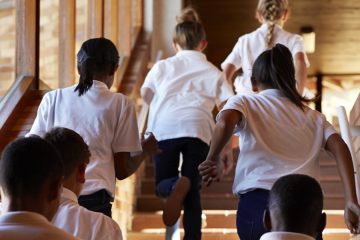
{"x":251,"y":45}
{"x":23,"y":225}
{"x":186,"y":88}
{"x":285,"y":236}
{"x":105,"y":120}
{"x":276,"y":138}
{"x":83,"y":223}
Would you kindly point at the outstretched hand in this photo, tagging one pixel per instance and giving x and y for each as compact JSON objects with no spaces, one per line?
{"x":211,"y":171}
{"x":149,"y":144}
{"x":352,"y":217}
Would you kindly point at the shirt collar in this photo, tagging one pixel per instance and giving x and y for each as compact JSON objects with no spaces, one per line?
{"x":264,"y":27}
{"x":67,"y":194}
{"x":272,"y":93}
{"x":191,"y":53}
{"x":285,"y":236}
{"x":99,"y":84}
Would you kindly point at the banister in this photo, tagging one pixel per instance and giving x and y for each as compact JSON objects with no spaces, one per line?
{"x":13,"y":96}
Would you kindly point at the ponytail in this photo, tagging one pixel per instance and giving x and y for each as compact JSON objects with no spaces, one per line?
{"x":97,"y":57}
{"x":271,"y":11}
{"x":274,"y":68}
{"x":189,"y":31}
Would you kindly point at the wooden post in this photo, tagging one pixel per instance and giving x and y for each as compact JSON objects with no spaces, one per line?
{"x":125,"y":28}
{"x":95,"y":19}
{"x":139,"y":13}
{"x":111,"y":28}
{"x":67,"y":9}
{"x":27,"y":38}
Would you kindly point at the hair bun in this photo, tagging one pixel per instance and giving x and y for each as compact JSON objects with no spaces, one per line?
{"x":188,"y":15}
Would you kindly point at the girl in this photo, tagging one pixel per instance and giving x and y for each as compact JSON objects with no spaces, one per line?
{"x":272,"y":14}
{"x":182,"y":92}
{"x":279,"y":136}
{"x":104,"y":119}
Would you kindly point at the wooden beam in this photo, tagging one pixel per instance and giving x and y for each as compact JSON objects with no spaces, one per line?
{"x":111,"y":28}
{"x":125,"y":27}
{"x":67,"y":9}
{"x":95,"y":19}
{"x":27,"y":36}
{"x":139,"y":13}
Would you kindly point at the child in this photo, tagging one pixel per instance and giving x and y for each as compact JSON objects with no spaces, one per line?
{"x":272,"y":14}
{"x":295,"y":209}
{"x":279,"y":135}
{"x":31,"y":174}
{"x":105,"y":120}
{"x":182,"y":92}
{"x":70,"y":216}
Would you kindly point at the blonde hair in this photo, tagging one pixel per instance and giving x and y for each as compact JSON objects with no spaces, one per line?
{"x":271,"y":11}
{"x":189,"y":31}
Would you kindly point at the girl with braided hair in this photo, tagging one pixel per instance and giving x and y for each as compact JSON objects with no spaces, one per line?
{"x":272,"y":14}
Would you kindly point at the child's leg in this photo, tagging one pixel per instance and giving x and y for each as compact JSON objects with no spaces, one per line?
{"x":166,"y":166}
{"x":194,"y":153}
{"x":249,"y":217}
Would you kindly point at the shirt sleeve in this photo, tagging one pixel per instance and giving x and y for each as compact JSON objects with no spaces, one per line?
{"x":236,"y":103}
{"x":224,"y":90}
{"x":44,"y":119}
{"x":152,"y":78}
{"x":328,"y":130}
{"x":234,"y":57}
{"x":299,"y":46}
{"x":126,"y":135}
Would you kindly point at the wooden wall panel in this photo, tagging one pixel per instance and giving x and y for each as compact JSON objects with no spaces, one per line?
{"x":336,"y":23}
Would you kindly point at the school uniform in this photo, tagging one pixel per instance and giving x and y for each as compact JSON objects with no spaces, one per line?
{"x":21,"y":225}
{"x":82,"y":223}
{"x":276,"y":138}
{"x":285,"y":236}
{"x":251,"y":45}
{"x":186,"y":88}
{"x":107,"y":123}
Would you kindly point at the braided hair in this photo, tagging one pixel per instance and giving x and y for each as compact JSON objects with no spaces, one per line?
{"x":189,"y":31}
{"x":97,"y":57}
{"x":271,"y":11}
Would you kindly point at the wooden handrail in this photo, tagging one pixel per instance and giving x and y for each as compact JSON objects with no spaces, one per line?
{"x":13,"y":96}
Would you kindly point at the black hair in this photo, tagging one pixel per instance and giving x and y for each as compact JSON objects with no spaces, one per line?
{"x":297,"y":200}
{"x":189,"y":31}
{"x":70,"y":146}
{"x":274,"y":68}
{"x":97,"y":57}
{"x":27,"y":164}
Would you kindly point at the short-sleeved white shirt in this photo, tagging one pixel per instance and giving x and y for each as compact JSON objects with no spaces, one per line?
{"x":251,"y":45}
{"x":285,"y":236}
{"x":276,"y":138}
{"x":105,"y":120}
{"x":83,"y":223}
{"x":24,"y":225}
{"x":186,"y":88}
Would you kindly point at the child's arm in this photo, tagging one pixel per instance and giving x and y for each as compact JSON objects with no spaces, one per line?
{"x":147,"y":94}
{"x":229,"y":70}
{"x":339,"y":149}
{"x":223,"y":131}
{"x":300,"y":72}
{"x":126,"y":165}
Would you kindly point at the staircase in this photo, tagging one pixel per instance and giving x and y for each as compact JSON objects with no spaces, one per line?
{"x":220,"y":207}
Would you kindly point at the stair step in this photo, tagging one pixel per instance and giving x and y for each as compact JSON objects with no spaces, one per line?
{"x":151,"y":203}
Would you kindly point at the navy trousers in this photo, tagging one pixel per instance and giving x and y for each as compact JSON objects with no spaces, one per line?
{"x":194,"y":152}
{"x":99,"y":201}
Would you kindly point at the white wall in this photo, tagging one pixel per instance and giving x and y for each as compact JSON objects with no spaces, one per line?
{"x":161,"y":21}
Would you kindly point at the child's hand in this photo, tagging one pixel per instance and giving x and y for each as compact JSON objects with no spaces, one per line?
{"x":352,"y":217}
{"x":211,"y":171}
{"x":227,"y":158}
{"x":149,"y":144}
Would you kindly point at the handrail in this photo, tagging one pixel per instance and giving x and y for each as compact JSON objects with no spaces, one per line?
{"x":13,"y":96}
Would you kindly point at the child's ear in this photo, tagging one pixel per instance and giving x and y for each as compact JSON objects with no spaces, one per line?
{"x":202,"y":45}
{"x":259,"y":17}
{"x":254,"y":85}
{"x":286,"y":14}
{"x":267,"y":220}
{"x":322,"y":222}
{"x":81,"y":173}
{"x":54,"y":188}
